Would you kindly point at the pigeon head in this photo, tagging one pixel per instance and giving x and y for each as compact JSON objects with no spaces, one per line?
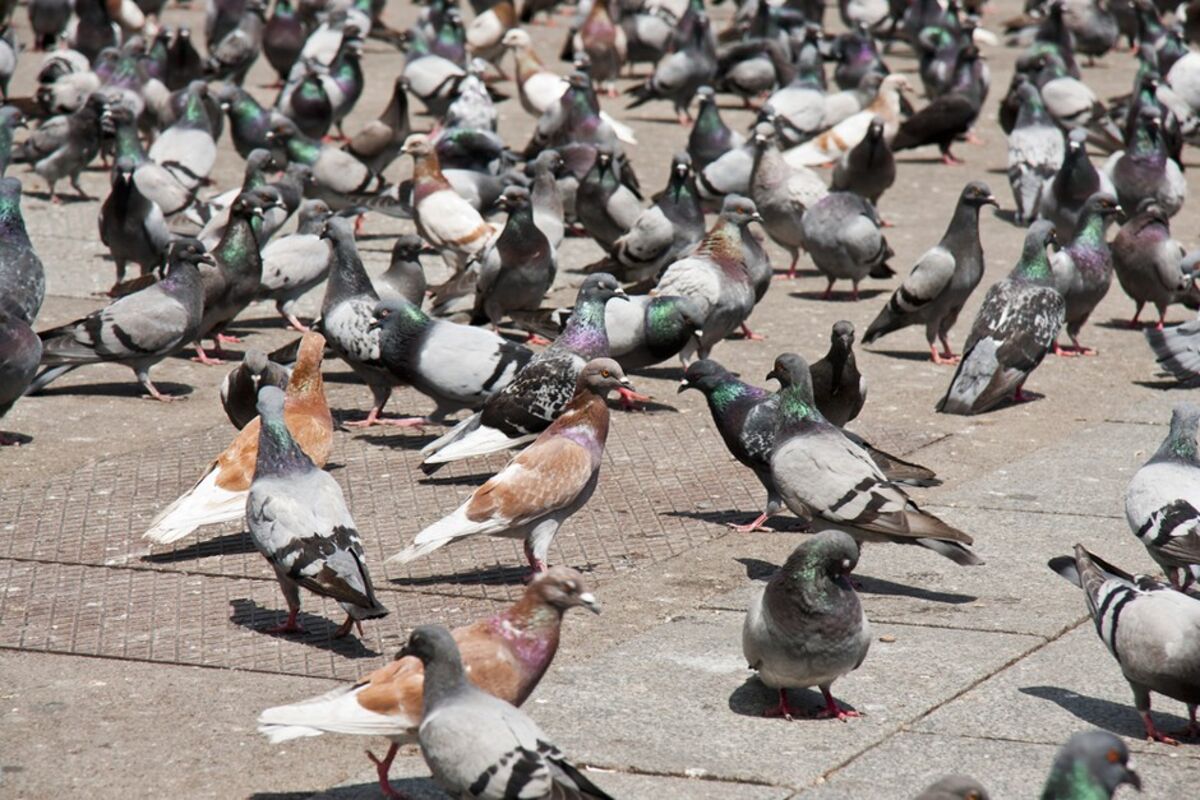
{"x":246,"y":206}
{"x":875,"y":131}
{"x":704,"y":375}
{"x":516,"y":39}
{"x":548,"y":160}
{"x":739,"y":210}
{"x":790,"y":370}
{"x":1104,"y":204}
{"x":282,"y":130}
{"x":255,"y":361}
{"x":266,"y":198}
{"x":1092,"y":763}
{"x":706,"y":95}
{"x":407,"y":248}
{"x":417,"y":145}
{"x":338,"y":231}
{"x":11,"y":117}
{"x":270,"y":403}
{"x":977,"y":193}
{"x":601,"y":375}
{"x":563,"y":588}
{"x":122,"y":170}
{"x":764,"y":134}
{"x":601,"y":286}
{"x":259,"y":160}
{"x":313,"y":211}
{"x":1180,"y":444}
{"x":828,"y":557}
{"x":433,"y":645}
{"x":514,"y":197}
{"x":185,"y":249}
{"x":797,"y":404}
{"x":681,"y":165}
{"x":956,"y":787}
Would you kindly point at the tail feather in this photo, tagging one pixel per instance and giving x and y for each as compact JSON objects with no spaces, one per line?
{"x":479,"y":442}
{"x":206,"y":503}
{"x":958,"y":553}
{"x":48,"y":376}
{"x":972,"y":379}
{"x":456,"y":525}
{"x":1177,"y":350}
{"x":642,"y":94}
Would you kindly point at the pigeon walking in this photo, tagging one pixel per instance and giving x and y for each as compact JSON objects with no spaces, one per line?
{"x":844,"y":236}
{"x":1083,"y":268}
{"x":1149,"y":263}
{"x":807,"y":627}
{"x":516,"y":273}
{"x":782,"y":194}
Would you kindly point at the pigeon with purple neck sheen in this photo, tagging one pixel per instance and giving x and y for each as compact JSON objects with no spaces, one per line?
{"x":232,"y":284}
{"x":827,"y":479}
{"x":939,"y":284}
{"x":1152,"y":630}
{"x":1162,"y":502}
{"x":1083,"y":268}
{"x":22,"y":276}
{"x":517,"y":271}
{"x":299,"y":521}
{"x":20,"y":355}
{"x":506,"y":655}
{"x":539,"y":393}
{"x":1062,"y":200}
{"x":605,"y":43}
{"x":710,"y":137}
{"x":807,"y":626}
{"x":1150,"y":264}
{"x":1013,"y":331}
{"x":1145,"y":170}
{"x":715,"y":276}
{"x":545,"y":484}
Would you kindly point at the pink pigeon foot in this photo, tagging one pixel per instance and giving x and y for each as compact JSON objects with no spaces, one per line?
{"x":750,"y":527}
{"x":945,"y":357}
{"x":1064,"y":352}
{"x":783,"y":709}
{"x":204,"y":358}
{"x":630,"y":398}
{"x":345,"y":627}
{"x":950,"y":161}
{"x":225,"y":338}
{"x":382,"y":767}
{"x":540,"y":341}
{"x":833,"y":711}
{"x":373,"y":418}
{"x":290,"y":626}
{"x":1153,"y":734}
{"x":296,"y":324}
{"x":750,"y":335}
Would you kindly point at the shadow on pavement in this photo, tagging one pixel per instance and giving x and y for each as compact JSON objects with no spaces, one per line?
{"x":1117,"y":718}
{"x":414,"y":788}
{"x":228,"y":544}
{"x":318,"y":631}
{"x":754,"y":697}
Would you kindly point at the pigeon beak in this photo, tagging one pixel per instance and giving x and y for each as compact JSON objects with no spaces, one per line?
{"x":620,"y":293}
{"x":206,"y":258}
{"x":683,"y":386}
{"x":756,"y":217}
{"x":991,"y":200}
{"x":626,"y":383}
{"x":589,"y":601}
{"x":772,"y":376}
{"x":403,"y":652}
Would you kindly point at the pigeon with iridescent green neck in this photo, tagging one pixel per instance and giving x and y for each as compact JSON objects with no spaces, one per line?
{"x":249,"y":122}
{"x":955,"y":787}
{"x":336,"y":173}
{"x":22,"y":276}
{"x":1035,"y":153}
{"x":1013,"y":331}
{"x":1075,"y":182}
{"x":1092,"y":765}
{"x":826,"y":478}
{"x":1083,"y":269}
{"x":539,"y":392}
{"x":153,"y":181}
{"x":233,"y":283}
{"x":187,"y":149}
{"x":10,"y":118}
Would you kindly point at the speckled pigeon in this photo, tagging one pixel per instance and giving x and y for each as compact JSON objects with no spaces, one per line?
{"x":22,"y":276}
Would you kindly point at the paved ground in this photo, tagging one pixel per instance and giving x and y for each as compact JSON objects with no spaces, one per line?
{"x":132,"y":671}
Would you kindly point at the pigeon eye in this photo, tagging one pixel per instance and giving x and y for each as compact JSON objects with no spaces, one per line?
{"x":604,"y":373}
{"x":1113,"y":756}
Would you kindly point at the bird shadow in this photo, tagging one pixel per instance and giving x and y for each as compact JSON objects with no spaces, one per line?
{"x":754,"y":697}
{"x":472,"y":479}
{"x":414,"y":788}
{"x":647,"y":406}
{"x":398,"y":440}
{"x":800,"y":273}
{"x":1120,"y":324}
{"x":128,"y":389}
{"x":903,"y":355}
{"x":15,"y":439}
{"x":778,"y":524}
{"x":759,"y":570}
{"x":1117,"y":718}
{"x":484,"y":576}
{"x":841,"y":296}
{"x":259,"y":323}
{"x":318,"y":631}
{"x":1167,"y":384}
{"x":346,"y":377}
{"x":660,"y":373}
{"x":229,"y":544}
{"x":69,"y":199}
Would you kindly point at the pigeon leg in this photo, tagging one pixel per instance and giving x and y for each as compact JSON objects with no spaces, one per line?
{"x":290,"y":626}
{"x":155,"y":393}
{"x":79,"y":189}
{"x":374,"y":418}
{"x":684,"y":117}
{"x":536,"y":565}
{"x":1153,"y":734}
{"x":1018,"y":395}
{"x":534,"y":339}
{"x":382,"y":767}
{"x":359,"y":223}
{"x":828,"y":290}
{"x":1133,"y":323}
{"x":1193,"y":728}
{"x":783,"y":709}
{"x":1080,"y":349}
{"x":1064,"y":352}
{"x":854,"y":291}
{"x":832,"y":710}
{"x":344,"y":628}
{"x":750,"y":527}
{"x":791,"y":273}
{"x":295,"y":322}
{"x":225,"y":338}
{"x":205,"y":359}
{"x":630,"y":398}
{"x":750,"y":335}
{"x":973,"y":138}
{"x":1162,"y":318}
{"x":949,"y":160}
{"x":947,"y":355}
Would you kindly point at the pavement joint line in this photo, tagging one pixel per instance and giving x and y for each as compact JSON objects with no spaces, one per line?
{"x":1009,"y":509}
{"x":903,"y":623}
{"x":1010,"y":740}
{"x":903,"y":727}
{"x":684,"y":775}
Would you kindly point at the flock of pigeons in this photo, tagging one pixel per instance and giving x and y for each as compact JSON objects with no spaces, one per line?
{"x":139,"y":96}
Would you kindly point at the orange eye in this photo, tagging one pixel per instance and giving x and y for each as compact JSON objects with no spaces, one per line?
{"x":604,"y":373}
{"x":1113,"y":756}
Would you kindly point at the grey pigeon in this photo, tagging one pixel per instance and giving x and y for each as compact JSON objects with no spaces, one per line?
{"x":76,"y":142}
{"x":295,"y":264}
{"x":232,"y":284}
{"x":1092,"y":764}
{"x":828,"y":480}
{"x":404,"y":278}
{"x":1145,"y":169}
{"x":955,"y":787}
{"x":153,"y":181}
{"x":187,"y":149}
{"x":1177,"y":349}
{"x":679,"y":74}
{"x":518,"y":269}
{"x":1162,"y":502}
{"x":378,"y":143}
{"x":132,"y":225}
{"x":540,"y":391}
{"x":844,"y":236}
{"x":606,"y":207}
{"x":477,"y":745}
{"x":649,"y":329}
{"x":1013,"y":331}
{"x":20,"y":354}
{"x":239,"y":388}
{"x":298,"y":520}
{"x":1035,"y":153}
{"x":1083,"y":268}
{"x":231,"y":57}
{"x":137,"y":330}
{"x":1151,"y":630}
{"x":939,"y":284}
{"x":715,"y":276}
{"x":22,"y":276}
{"x":1077,"y":180}
{"x":838,"y":387}
{"x":1150,"y":264}
{"x":546,"y":197}
{"x":456,"y":366}
{"x":868,"y":169}
{"x":782,"y":193}
{"x":710,"y":137}
{"x":10,"y":119}
{"x":807,"y":626}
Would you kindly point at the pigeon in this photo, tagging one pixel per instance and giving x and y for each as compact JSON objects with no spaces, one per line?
{"x":336,"y":174}
{"x":604,"y":42}
{"x":946,"y":118}
{"x":868,"y":169}
{"x":137,"y":330}
{"x":782,"y":194}
{"x":378,"y":143}
{"x":187,"y":149}
{"x":1149,"y":263}
{"x":10,"y":119}
{"x":939,"y":284}
{"x":606,"y":207}
{"x":544,"y":485}
{"x":1035,"y":154}
{"x":298,"y":520}
{"x":838,"y":388}
{"x":649,"y":329}
{"x":20,"y":355}
{"x":715,"y":277}
{"x":1161,"y":501}
{"x":283,"y":38}
{"x":1145,"y":170}
{"x":680,"y":73}
{"x":831,"y":145}
{"x":710,"y":137}
{"x":495,"y":653}
{"x":540,"y":392}
{"x":132,"y":225}
{"x":231,"y":57}
{"x":1083,"y":268}
{"x":22,"y":276}
{"x":1014,"y":329}
{"x":457,"y":366}
{"x":220,"y":494}
{"x":1152,"y":630}
{"x":955,"y":787}
{"x":249,"y":122}
{"x":485,"y":34}
{"x":152,"y":181}
{"x":404,"y":278}
{"x":71,"y":146}
{"x":517,"y":272}
{"x":807,"y":626}
{"x":293,"y":265}
{"x":1177,"y":350}
{"x":1090,"y":764}
{"x":48,"y":20}
{"x":239,"y":389}
{"x":479,"y":745}
{"x":844,"y":236}
{"x":825,"y":478}
{"x":1063,"y":199}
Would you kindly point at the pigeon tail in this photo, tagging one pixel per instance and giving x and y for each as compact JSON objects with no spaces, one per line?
{"x":973,"y":379}
{"x":335,"y":711}
{"x":48,"y":376}
{"x":206,"y":503}
{"x":456,"y":525}
{"x":1176,"y":351}
{"x":959,"y":554}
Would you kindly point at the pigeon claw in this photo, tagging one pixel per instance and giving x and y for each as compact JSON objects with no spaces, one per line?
{"x":782,"y":709}
{"x":832,"y":710}
{"x":750,"y":335}
{"x":946,"y":357}
{"x":289,"y":626}
{"x":751,"y":527}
